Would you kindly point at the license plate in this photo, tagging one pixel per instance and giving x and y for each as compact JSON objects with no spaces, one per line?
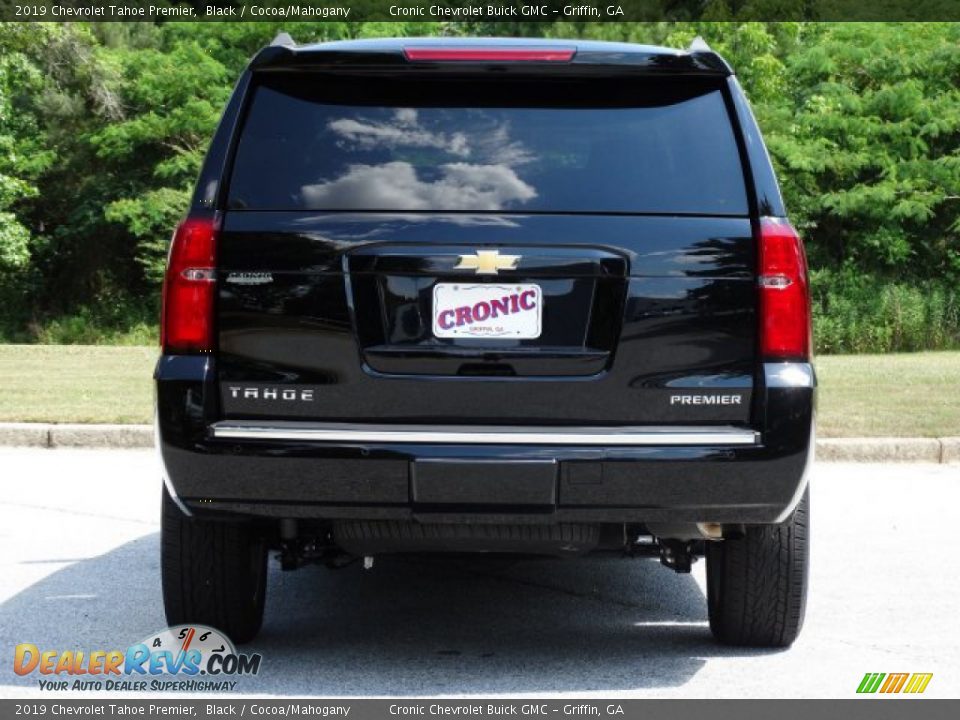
{"x":483,"y":310}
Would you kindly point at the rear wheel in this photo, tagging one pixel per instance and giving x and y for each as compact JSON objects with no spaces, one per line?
{"x":214,"y":573}
{"x":757,"y":584}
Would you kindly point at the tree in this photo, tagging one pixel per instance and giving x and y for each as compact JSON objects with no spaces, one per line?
{"x":867,"y":141}
{"x":172,"y":98}
{"x":22,"y":158}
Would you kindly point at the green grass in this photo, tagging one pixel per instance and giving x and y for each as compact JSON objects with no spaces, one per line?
{"x":899,"y":395}
{"x":76,"y":383}
{"x":915,"y":394}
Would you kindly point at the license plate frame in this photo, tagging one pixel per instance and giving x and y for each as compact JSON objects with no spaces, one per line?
{"x":487,"y":310}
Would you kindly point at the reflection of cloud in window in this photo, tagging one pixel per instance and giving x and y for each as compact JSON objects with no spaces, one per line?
{"x":407,"y":116}
{"x":395,"y":185}
{"x":403,"y":131}
{"x":487,"y":142}
{"x":496,"y":147}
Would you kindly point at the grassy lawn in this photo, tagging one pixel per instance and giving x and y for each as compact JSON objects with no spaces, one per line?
{"x":860,"y":395}
{"x":76,"y":383}
{"x":906,"y":394}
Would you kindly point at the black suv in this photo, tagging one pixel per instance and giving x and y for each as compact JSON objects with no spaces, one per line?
{"x":505,"y":296}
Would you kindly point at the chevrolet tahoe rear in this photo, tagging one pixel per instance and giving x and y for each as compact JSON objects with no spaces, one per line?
{"x":504,"y":296}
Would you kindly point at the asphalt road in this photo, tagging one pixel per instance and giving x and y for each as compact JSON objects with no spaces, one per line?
{"x":79,"y":533}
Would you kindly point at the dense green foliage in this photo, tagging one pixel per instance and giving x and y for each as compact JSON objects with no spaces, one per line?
{"x":103,"y":127}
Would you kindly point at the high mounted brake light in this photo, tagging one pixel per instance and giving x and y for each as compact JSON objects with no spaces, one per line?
{"x":186,"y":324}
{"x":785,"y":330}
{"x":492,"y":54}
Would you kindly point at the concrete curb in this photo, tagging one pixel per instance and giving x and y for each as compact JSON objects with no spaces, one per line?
{"x":101,"y":436}
{"x":25,"y":434}
{"x":43,"y":435}
{"x":75,"y":436}
{"x":880,"y":450}
{"x":950,"y":450}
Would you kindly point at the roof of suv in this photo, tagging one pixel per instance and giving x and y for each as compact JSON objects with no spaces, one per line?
{"x":389,"y":53}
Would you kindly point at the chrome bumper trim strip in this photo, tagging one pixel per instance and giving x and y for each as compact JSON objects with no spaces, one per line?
{"x":483,"y":434}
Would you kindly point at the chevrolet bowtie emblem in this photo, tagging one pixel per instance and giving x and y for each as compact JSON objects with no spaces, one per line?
{"x":487,"y":262}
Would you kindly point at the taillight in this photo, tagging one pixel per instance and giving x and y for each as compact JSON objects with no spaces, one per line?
{"x":186,"y":323}
{"x":785,"y":332}
{"x":490,"y":54}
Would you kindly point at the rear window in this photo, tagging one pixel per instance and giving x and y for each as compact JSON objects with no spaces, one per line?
{"x":313,"y":142}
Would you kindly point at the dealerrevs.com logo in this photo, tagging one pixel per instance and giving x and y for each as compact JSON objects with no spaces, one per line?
{"x":183,"y":657}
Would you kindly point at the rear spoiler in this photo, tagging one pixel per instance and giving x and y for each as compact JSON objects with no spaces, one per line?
{"x":483,"y":54}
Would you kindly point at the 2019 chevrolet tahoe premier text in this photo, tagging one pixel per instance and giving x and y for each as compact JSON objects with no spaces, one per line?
{"x":450,"y":295}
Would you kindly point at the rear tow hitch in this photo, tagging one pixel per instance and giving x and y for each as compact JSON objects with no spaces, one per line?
{"x":297,"y":550}
{"x":678,"y":555}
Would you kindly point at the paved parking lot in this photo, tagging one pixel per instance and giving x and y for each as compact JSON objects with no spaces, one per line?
{"x":80,"y":570}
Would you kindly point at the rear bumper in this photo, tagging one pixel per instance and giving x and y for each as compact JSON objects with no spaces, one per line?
{"x":446,"y":474}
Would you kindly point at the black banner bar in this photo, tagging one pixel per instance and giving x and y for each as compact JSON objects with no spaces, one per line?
{"x":501,"y":11}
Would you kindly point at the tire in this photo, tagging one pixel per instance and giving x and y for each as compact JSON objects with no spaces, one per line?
{"x":757,"y":584}
{"x":213,"y":573}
